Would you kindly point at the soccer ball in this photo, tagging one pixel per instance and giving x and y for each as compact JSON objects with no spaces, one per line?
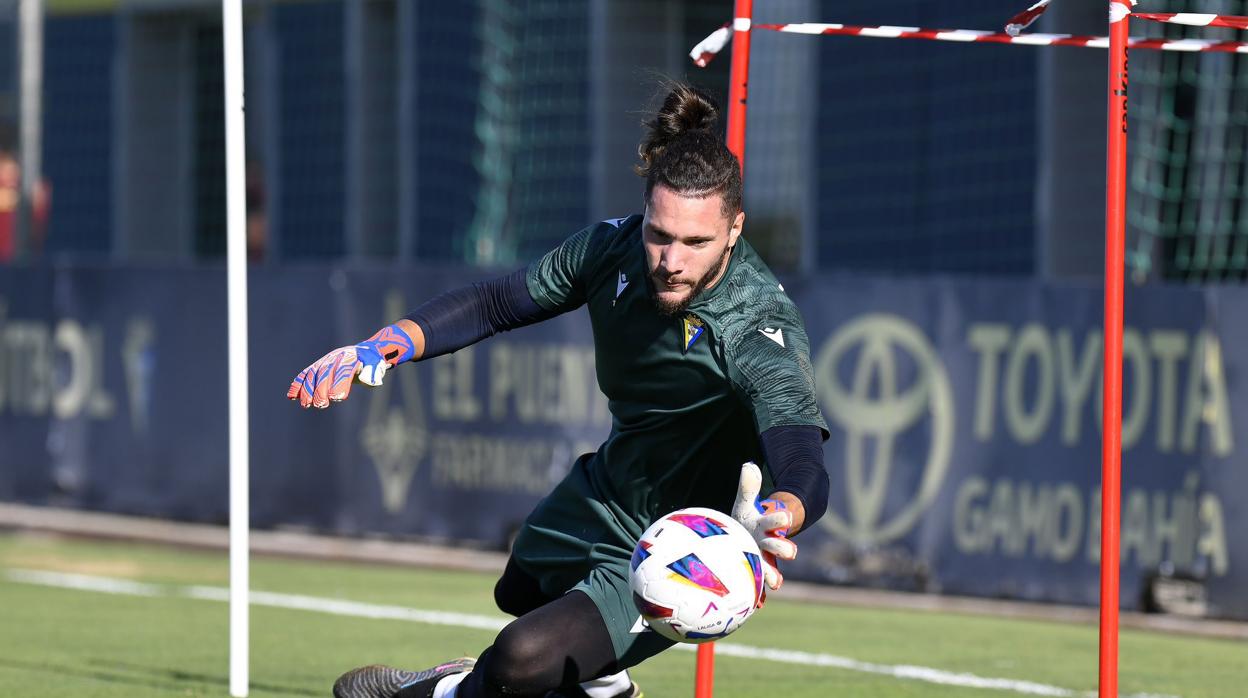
{"x":696,"y":575}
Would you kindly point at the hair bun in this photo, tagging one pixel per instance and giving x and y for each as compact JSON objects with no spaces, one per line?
{"x":685,"y":110}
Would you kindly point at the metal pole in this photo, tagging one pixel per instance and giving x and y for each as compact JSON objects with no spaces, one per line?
{"x":738,"y":87}
{"x":704,"y":678}
{"x":30,"y":139}
{"x":738,"y":82}
{"x":236,"y":292}
{"x":1111,"y":442}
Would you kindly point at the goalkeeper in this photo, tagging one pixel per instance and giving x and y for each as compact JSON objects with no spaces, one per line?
{"x":705,"y":363}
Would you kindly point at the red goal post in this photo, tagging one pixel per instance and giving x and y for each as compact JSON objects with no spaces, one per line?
{"x":1119,"y":43}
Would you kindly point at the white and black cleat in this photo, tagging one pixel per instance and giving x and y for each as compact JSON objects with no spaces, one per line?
{"x":380,"y":681}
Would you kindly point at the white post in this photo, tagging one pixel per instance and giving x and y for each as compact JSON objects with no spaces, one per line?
{"x":236,"y":284}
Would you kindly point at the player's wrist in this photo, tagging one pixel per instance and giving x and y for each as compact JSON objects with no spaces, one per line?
{"x":792,"y":504}
{"x":415,"y":334}
{"x":394,"y":343}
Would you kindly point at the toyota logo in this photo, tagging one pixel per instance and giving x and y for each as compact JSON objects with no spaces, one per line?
{"x":874,"y":409}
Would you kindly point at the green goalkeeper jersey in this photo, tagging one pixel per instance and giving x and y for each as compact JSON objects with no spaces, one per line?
{"x":689,"y":395}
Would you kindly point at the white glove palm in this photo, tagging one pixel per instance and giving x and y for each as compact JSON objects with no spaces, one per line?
{"x":767,"y":520}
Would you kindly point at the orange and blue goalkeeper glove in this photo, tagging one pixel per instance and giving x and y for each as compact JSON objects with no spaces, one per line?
{"x":767,"y":520}
{"x":329,"y":379}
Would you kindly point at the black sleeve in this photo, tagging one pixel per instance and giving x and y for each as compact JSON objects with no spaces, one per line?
{"x":456,"y":319}
{"x":795,"y":460}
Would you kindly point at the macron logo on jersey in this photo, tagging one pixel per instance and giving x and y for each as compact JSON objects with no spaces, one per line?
{"x":775,"y":334}
{"x":620,"y":285}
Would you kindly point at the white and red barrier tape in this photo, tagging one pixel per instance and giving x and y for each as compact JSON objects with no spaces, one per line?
{"x":1195,"y":20}
{"x":1027,"y":17}
{"x":713,"y":44}
{"x":1024,"y":19}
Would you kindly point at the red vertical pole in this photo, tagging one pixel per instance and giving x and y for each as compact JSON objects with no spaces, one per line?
{"x":739,"y":79}
{"x":704,"y":680}
{"x":738,"y":87}
{"x":1111,"y":441}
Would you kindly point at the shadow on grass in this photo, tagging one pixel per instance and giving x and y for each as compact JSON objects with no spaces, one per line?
{"x":164,"y":679}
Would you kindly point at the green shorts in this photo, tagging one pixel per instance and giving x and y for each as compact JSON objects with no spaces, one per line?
{"x":575,"y":540}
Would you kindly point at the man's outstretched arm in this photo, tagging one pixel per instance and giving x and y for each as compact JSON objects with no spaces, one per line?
{"x":795,"y":459}
{"x":445,"y":323}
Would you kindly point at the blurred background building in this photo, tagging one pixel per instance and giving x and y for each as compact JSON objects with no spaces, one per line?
{"x":484,"y":132}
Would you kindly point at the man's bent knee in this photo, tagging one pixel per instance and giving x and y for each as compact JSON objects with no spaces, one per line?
{"x":522,"y":663}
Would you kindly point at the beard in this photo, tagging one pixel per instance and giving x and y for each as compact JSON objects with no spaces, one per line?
{"x":675,"y":308}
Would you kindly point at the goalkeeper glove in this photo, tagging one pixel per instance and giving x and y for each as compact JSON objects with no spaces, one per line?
{"x":329,"y":378}
{"x":767,"y":520}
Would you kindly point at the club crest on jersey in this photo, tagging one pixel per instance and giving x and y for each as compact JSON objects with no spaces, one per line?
{"x":693,"y":329}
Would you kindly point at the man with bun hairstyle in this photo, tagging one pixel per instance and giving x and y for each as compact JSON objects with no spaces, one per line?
{"x":706,"y":365}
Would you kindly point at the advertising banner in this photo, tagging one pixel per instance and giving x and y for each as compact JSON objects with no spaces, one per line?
{"x":965,"y":453}
{"x":965,"y":421}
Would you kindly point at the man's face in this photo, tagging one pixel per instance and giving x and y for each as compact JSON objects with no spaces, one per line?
{"x":687,"y":242}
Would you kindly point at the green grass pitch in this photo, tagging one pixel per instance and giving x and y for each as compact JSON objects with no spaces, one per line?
{"x":61,"y":641}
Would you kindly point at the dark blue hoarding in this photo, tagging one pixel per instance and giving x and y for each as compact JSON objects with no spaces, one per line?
{"x":966,"y":439}
{"x":965,"y":418}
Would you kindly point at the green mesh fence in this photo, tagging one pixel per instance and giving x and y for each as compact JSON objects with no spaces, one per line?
{"x":532,"y":124}
{"x":1186,"y":203}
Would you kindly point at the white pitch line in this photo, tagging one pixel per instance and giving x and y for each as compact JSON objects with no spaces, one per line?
{"x":84,"y":582}
{"x":354,"y":609}
{"x":359,"y":609}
